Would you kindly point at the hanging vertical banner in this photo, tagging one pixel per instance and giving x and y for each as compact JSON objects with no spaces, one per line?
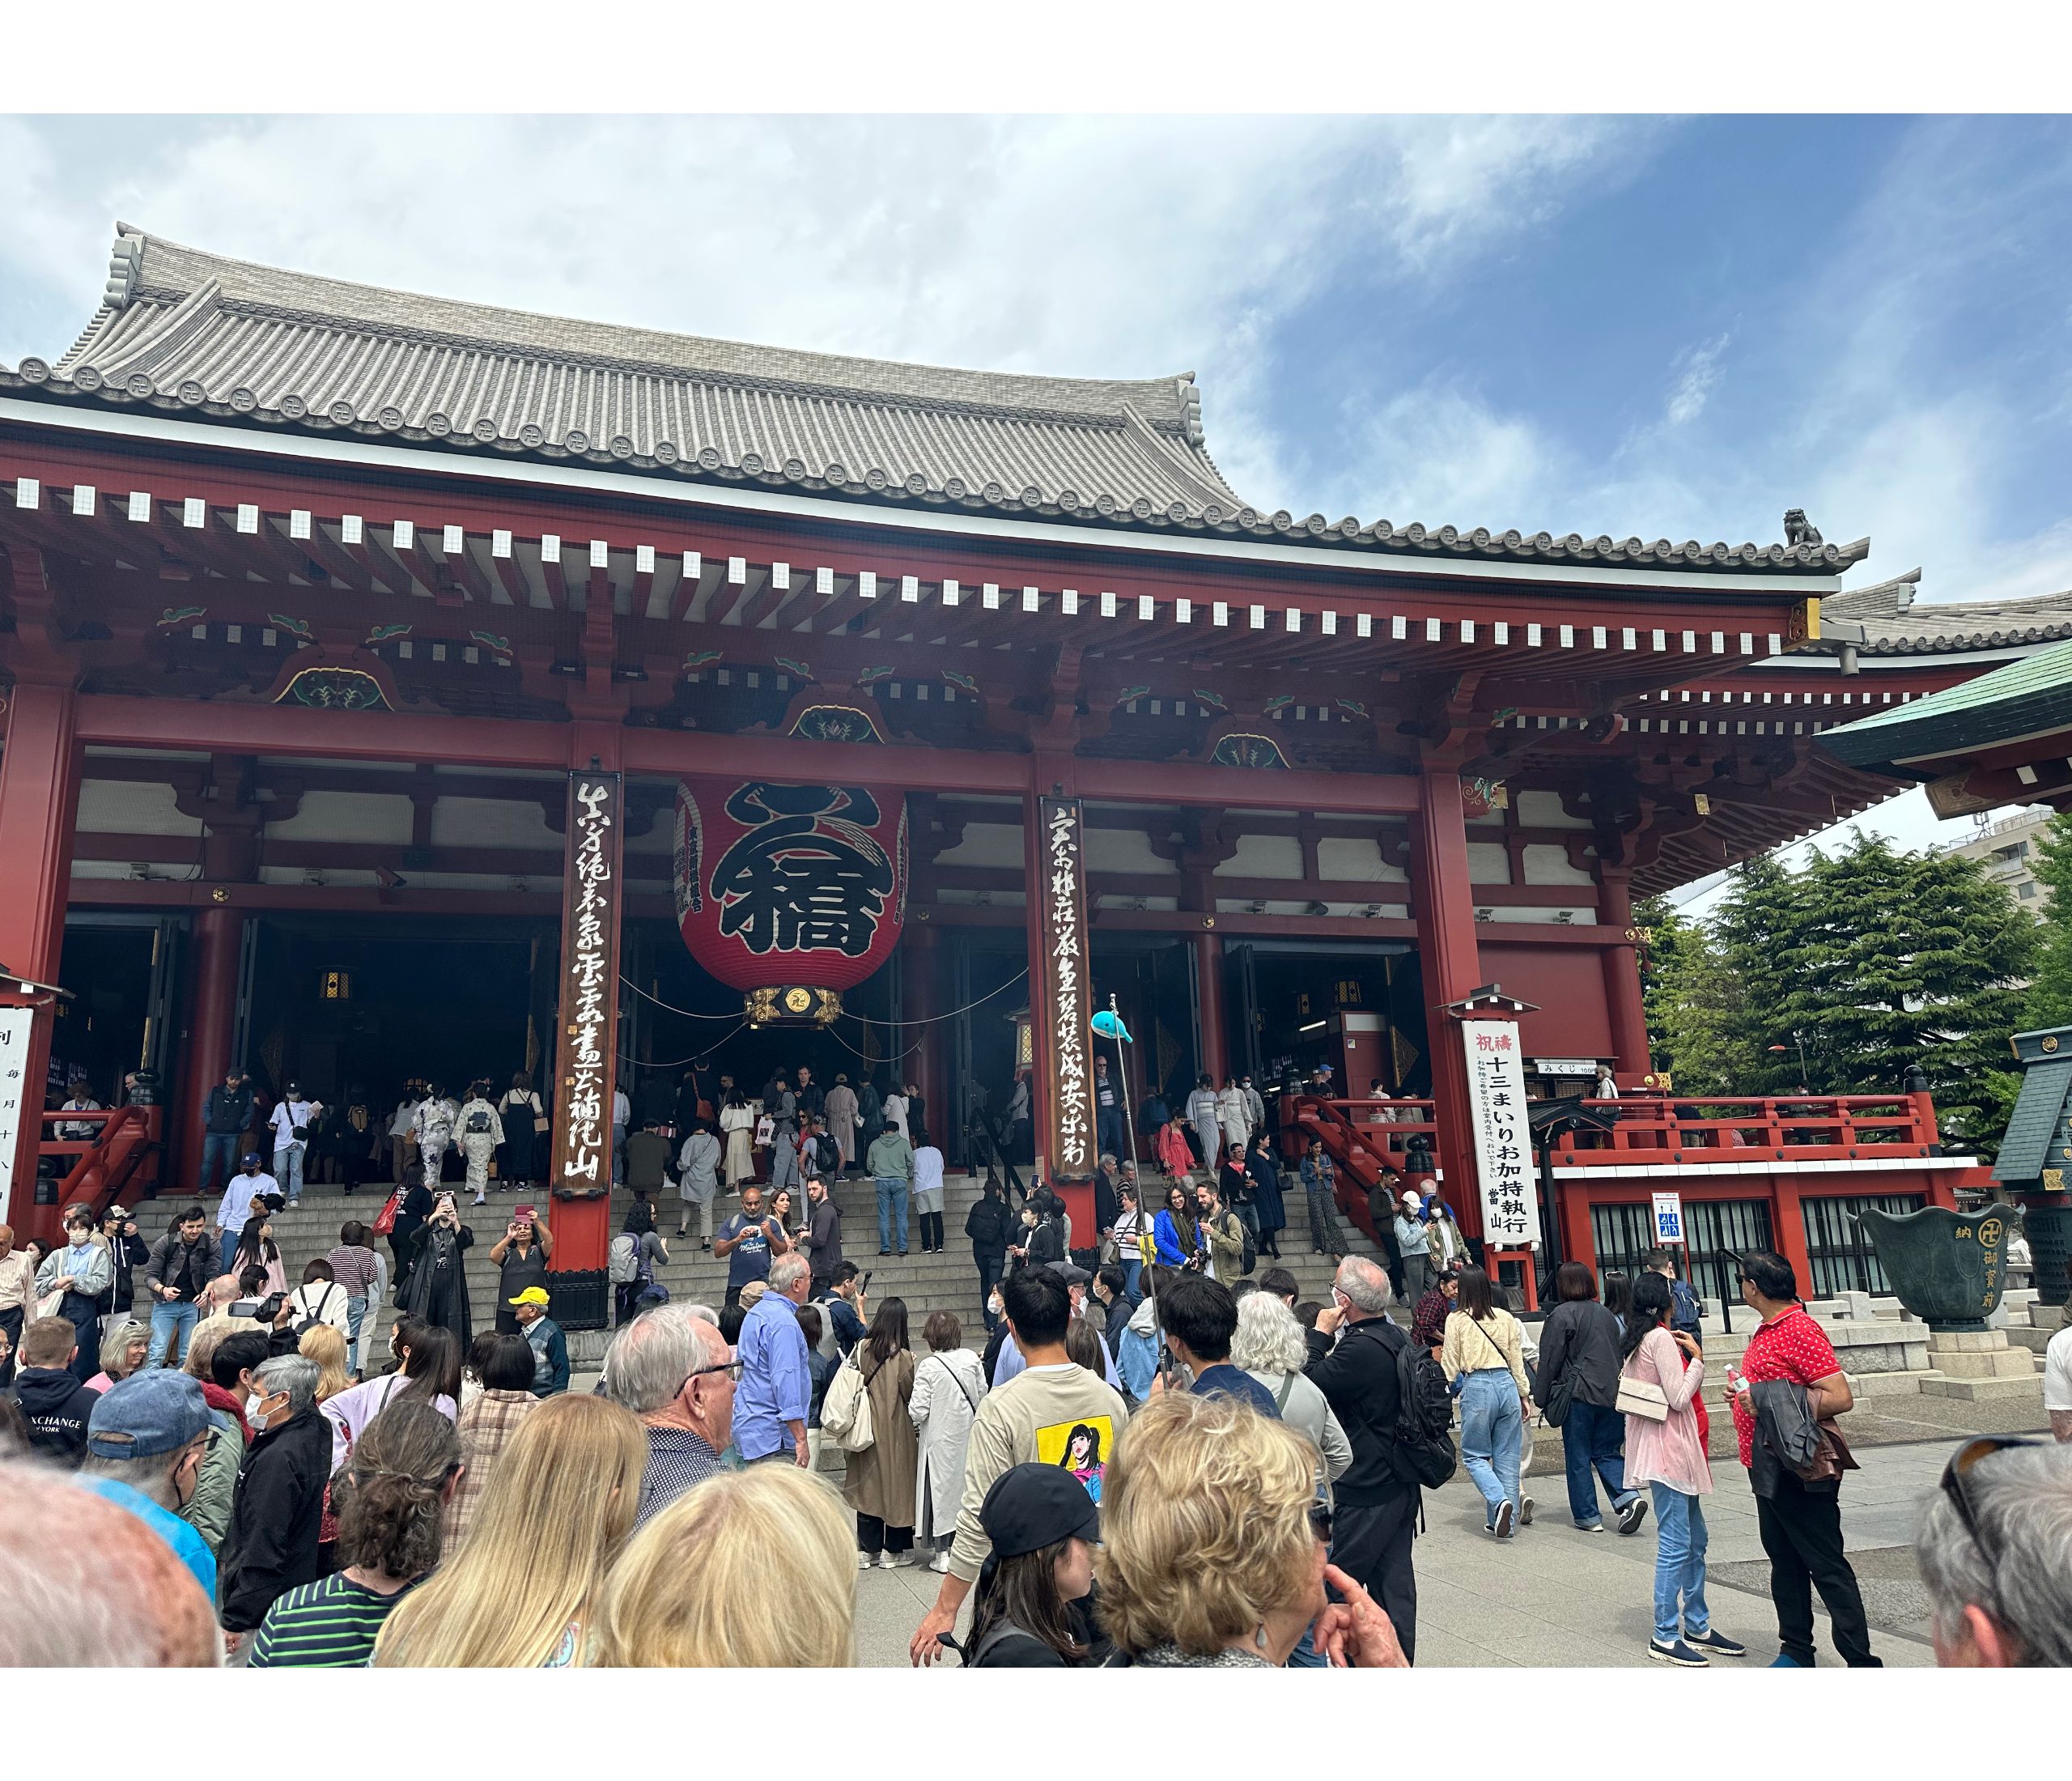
{"x":1063,"y":1054}
{"x":16,"y":1026}
{"x":1503,"y":1146}
{"x":589,"y":988}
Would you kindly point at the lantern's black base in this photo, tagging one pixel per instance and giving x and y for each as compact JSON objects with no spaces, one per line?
{"x":792,"y":1005}
{"x":580,"y":1299}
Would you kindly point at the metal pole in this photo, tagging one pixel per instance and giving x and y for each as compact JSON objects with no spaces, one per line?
{"x":1129,"y":1137}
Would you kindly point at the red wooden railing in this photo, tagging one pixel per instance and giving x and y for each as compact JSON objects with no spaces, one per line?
{"x":1360,"y":1136}
{"x":125,"y":1138}
{"x":1658,"y":1129}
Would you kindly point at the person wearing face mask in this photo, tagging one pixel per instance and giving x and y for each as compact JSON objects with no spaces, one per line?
{"x":278,"y":1507}
{"x":144,"y":1441}
{"x":80,"y":1273}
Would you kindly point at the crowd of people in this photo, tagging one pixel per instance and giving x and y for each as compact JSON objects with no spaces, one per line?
{"x":1246,"y":1494}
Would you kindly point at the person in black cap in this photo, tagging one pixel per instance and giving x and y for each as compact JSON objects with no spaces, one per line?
{"x":1032,"y":1609}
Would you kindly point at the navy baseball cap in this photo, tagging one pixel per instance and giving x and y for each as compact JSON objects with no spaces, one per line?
{"x":157,"y":1412}
{"x":1032,"y":1506}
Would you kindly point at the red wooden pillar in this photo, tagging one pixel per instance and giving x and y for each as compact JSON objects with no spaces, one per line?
{"x":39,"y":801}
{"x":1450,"y":958}
{"x":1622,"y":972}
{"x":1209,"y":996}
{"x":1788,"y":1227}
{"x":212,"y":1015}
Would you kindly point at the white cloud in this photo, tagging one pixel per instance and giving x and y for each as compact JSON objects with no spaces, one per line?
{"x":1699,"y":373}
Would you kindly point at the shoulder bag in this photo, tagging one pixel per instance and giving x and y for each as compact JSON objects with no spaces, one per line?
{"x":846,"y":1412}
{"x":1642,"y":1397}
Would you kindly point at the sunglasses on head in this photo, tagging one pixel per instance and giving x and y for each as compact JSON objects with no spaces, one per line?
{"x":1957,"y":1483}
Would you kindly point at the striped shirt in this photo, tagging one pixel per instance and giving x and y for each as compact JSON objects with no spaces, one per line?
{"x":330,"y":1624}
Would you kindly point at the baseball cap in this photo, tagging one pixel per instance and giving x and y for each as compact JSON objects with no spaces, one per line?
{"x":249,"y":1156}
{"x":151,"y":1412}
{"x":532,"y":1295}
{"x":1412,"y":1197}
{"x":1032,"y":1506}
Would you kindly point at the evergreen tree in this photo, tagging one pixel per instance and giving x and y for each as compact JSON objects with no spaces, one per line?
{"x":1692,"y":993}
{"x":2049,"y":1001}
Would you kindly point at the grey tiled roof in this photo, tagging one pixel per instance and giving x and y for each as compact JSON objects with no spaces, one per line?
{"x":1896,"y":623}
{"x":222,"y":339}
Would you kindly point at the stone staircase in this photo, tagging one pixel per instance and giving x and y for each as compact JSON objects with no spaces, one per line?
{"x":928,"y":1283}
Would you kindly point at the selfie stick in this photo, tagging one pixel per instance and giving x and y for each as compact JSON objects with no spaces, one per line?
{"x":1117,"y":1031}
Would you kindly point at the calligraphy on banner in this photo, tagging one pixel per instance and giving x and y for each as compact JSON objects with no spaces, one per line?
{"x":1064,"y":1053}
{"x":1503,"y":1142}
{"x":15,"y":1025}
{"x":589,"y":988}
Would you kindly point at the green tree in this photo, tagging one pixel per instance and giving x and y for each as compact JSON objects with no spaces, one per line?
{"x":1692,"y":993}
{"x":2049,"y":1001}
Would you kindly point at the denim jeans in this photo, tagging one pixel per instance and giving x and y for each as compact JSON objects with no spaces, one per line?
{"x":891,"y":1200}
{"x":355,"y":1316}
{"x":172,"y":1324}
{"x":1491,"y":1418}
{"x":990,"y":1268}
{"x":1679,"y":1565}
{"x":1594,"y":1437}
{"x":218,"y":1146}
{"x":287,"y":1170}
{"x":1132,"y":1273}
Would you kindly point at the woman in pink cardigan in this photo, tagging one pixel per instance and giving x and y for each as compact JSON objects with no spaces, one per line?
{"x":1670,"y":1456}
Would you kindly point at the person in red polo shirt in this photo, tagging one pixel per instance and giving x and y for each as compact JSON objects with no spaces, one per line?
{"x":1801,"y":1524}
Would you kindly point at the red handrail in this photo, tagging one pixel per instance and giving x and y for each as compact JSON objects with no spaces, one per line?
{"x":109,"y":1160}
{"x":1655,"y":1127}
{"x":1361,"y":1135}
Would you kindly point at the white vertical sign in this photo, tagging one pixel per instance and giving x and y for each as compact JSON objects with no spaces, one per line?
{"x":15,"y":1024}
{"x":1669,"y":1218}
{"x":1503,"y":1143}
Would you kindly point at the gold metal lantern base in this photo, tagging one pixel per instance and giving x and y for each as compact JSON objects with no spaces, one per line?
{"x":792,"y":1005}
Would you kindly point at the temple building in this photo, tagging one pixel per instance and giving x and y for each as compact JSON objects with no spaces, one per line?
{"x":401,"y":687}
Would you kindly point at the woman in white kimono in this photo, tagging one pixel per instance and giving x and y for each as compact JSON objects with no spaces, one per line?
{"x":738,"y":1126}
{"x":948,"y":1387}
{"x":1235,"y":1113}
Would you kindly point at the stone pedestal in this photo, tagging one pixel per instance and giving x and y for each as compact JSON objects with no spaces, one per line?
{"x":1978,"y":1364}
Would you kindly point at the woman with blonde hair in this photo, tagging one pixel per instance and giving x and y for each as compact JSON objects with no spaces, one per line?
{"x":520,"y":1593}
{"x":122,"y":1351}
{"x":325,"y":1345}
{"x":1215,"y":1542}
{"x":696,"y":1589}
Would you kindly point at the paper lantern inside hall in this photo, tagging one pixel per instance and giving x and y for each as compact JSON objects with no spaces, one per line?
{"x":790,"y":894}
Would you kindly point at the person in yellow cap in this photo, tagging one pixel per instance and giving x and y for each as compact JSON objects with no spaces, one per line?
{"x":549,"y":1346}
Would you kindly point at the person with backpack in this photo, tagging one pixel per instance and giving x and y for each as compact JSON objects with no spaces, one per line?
{"x":1391,"y":1398}
{"x":1483,"y":1351}
{"x":481,"y":1132}
{"x":635,"y":1250}
{"x":1685,"y":1314}
{"x":319,"y":1299}
{"x":1230,"y":1253}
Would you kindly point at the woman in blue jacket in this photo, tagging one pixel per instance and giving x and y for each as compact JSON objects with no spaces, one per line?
{"x":1174,"y":1230}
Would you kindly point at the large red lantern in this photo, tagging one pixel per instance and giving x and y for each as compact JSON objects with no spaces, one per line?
{"x":791,"y":894}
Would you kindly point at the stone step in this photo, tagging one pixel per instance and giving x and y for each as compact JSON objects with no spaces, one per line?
{"x":1983,"y":1390}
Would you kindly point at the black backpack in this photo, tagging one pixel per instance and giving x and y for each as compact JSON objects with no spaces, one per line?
{"x":1424,"y":1413}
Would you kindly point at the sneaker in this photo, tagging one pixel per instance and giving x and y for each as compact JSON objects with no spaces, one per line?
{"x":1631,"y":1517}
{"x":902,"y":1252}
{"x":940,"y":1562}
{"x":1786,"y":1660}
{"x":479,"y":1200}
{"x":1677,"y":1652}
{"x":862,"y":1560}
{"x":1716,"y":1644}
{"x":1500,"y":1527}
{"x":1525,"y":1511}
{"x":884,"y":1251}
{"x":1590,"y":1527}
{"x":899,"y":1561}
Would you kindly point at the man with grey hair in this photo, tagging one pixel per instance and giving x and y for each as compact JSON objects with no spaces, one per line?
{"x":271,"y":1546}
{"x":1354,"y":1354}
{"x":145,"y":1440}
{"x":776,"y":1381}
{"x":1995,"y":1552}
{"x":674,"y":1371}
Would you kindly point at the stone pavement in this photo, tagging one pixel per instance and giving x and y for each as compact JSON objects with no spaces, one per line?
{"x":1555,"y":1598}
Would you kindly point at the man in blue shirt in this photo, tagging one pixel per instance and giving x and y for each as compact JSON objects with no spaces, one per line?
{"x":145,"y":1441}
{"x":746,"y":1242}
{"x":776,"y":1385}
{"x":1200,"y":1317}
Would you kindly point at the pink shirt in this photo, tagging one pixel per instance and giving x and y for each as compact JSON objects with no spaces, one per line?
{"x":1672,"y":1452}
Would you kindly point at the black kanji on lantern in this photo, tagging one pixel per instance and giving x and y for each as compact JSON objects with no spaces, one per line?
{"x":808,"y":876}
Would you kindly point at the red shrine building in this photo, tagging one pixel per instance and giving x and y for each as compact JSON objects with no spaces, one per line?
{"x":404,"y":688}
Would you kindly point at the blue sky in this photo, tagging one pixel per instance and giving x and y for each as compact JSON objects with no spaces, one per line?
{"x":1671,"y":327}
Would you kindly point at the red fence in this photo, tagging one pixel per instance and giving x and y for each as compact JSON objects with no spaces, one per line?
{"x":103,"y":1165}
{"x":1660,"y":1129}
